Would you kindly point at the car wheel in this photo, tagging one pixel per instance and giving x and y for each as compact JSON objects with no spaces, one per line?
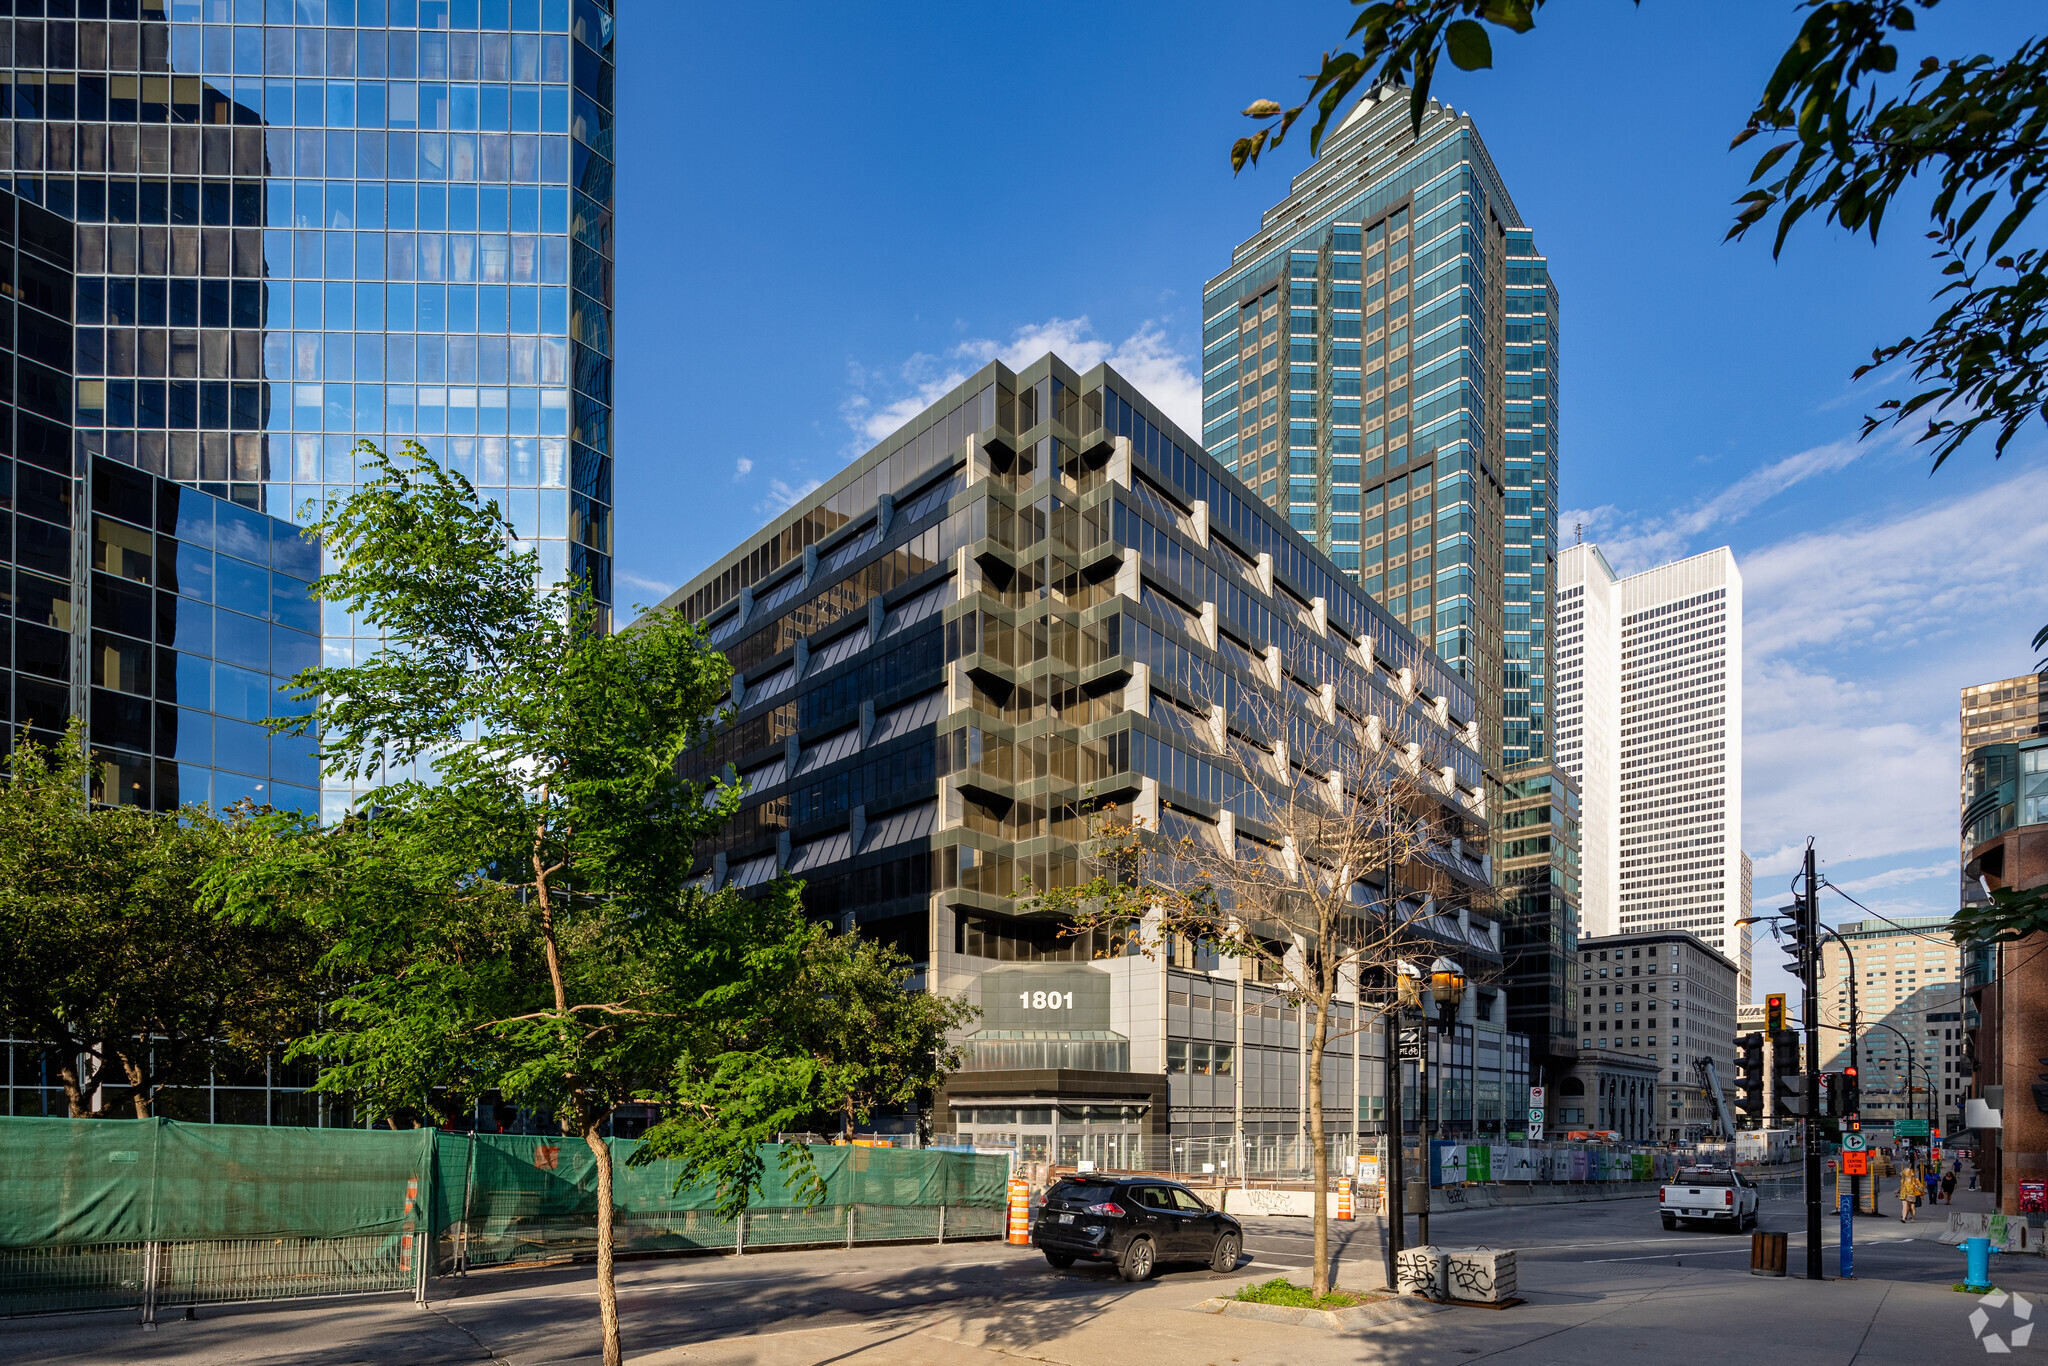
{"x":1224,"y":1258}
{"x":1059,"y":1260}
{"x":1138,"y":1260}
{"x":1670,"y":1222}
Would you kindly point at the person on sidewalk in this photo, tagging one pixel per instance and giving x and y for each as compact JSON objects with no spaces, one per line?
{"x":1948,"y":1187}
{"x":1911,"y":1188}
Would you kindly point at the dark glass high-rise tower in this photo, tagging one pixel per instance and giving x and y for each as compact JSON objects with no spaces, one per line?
{"x":303,"y":222}
{"x":1380,"y":362}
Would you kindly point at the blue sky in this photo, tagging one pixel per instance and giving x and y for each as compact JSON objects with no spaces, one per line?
{"x":826,"y":212}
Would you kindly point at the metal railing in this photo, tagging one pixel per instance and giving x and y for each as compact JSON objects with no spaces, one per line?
{"x":155,"y":1276}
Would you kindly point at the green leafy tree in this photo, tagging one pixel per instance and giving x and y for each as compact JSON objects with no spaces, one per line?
{"x":809,"y":1023}
{"x":513,"y":906}
{"x":887,"y":1042}
{"x":512,"y":901}
{"x":1847,"y":134}
{"x":112,"y":961}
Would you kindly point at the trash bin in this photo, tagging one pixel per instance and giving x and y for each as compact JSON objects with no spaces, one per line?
{"x":1766,"y":1254}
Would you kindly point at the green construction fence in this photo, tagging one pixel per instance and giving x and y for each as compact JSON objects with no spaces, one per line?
{"x":156,"y":1213}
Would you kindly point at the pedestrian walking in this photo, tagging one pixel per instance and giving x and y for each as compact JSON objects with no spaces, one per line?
{"x":1973,"y":1178}
{"x":1948,"y":1187}
{"x":1911,"y":1188}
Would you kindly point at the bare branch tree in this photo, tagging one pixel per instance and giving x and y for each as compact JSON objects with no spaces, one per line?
{"x":1338,"y":852}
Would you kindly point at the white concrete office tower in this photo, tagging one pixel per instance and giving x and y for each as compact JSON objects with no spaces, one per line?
{"x":1649,"y":724}
{"x":1585,"y":729}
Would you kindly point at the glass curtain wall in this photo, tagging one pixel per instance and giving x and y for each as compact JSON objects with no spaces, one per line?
{"x":304,"y":222}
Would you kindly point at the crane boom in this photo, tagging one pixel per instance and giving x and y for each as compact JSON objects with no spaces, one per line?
{"x":1710,"y":1082}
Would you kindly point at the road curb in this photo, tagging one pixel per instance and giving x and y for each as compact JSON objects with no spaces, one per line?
{"x":1385,"y":1309}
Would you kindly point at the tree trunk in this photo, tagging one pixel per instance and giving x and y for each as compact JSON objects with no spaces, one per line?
{"x":607,"y":1288}
{"x":74,"y":1088}
{"x":1319,"y":1153}
{"x":140,"y":1092}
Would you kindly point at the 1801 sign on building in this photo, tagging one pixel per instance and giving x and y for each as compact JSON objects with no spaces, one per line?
{"x":1061,"y":997}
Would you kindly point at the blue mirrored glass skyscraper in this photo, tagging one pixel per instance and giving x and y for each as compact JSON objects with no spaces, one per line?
{"x":1380,"y":363}
{"x":304,"y":222}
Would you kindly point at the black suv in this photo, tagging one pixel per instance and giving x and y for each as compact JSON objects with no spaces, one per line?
{"x":1134,"y":1222}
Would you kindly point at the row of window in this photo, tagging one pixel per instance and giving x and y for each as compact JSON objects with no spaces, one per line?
{"x":307,"y":356}
{"x":310,"y":306}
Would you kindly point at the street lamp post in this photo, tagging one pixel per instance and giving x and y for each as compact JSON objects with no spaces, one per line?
{"x":1447,"y":989}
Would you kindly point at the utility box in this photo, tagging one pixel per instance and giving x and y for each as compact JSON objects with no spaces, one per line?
{"x":1766,"y":1254}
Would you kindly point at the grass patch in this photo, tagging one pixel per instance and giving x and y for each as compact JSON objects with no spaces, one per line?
{"x":1287,"y":1294}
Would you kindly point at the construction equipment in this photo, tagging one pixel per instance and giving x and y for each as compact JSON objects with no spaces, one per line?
{"x":1710,"y":1082}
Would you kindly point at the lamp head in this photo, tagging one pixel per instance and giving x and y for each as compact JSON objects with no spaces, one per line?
{"x":1446,"y":983}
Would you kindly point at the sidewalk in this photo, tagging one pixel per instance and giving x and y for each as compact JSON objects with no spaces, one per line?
{"x":1576,"y":1314}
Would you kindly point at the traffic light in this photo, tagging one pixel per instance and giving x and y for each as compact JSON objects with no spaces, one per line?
{"x":1799,"y":942}
{"x":1832,"y":1090}
{"x":1774,"y":1012}
{"x":1749,"y":1076}
{"x":1851,"y":1093}
{"x":1788,"y":1083}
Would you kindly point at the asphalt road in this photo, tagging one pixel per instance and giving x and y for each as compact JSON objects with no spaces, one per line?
{"x":1629,"y":1232}
{"x":547,"y":1315}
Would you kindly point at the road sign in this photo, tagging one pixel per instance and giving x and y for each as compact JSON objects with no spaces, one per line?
{"x":1855,"y":1164}
{"x":1535,"y":1098}
{"x":1910,"y":1128}
{"x":1854,"y":1143}
{"x":1411,"y":1042}
{"x":1535,"y":1116}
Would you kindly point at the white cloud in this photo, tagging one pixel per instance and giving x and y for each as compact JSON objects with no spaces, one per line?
{"x":1932,"y":575}
{"x":1858,"y":639}
{"x":1633,"y":544}
{"x":1899,"y":877}
{"x":656,"y":589}
{"x":1146,"y":358}
{"x":741,"y":468}
{"x":783,"y":495}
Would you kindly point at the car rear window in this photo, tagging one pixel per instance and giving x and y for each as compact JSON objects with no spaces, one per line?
{"x":1704,"y":1177}
{"x":1081,"y":1190}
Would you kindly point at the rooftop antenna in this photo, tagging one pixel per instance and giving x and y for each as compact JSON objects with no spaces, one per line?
{"x":1579,"y":530}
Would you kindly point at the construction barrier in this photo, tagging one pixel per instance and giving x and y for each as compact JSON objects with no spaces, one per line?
{"x":1344,"y":1197}
{"x":1020,"y":1211}
{"x":102,"y":1214}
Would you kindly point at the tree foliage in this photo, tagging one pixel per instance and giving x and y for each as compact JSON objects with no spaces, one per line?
{"x":834,"y":1030}
{"x":513,"y":904}
{"x":1848,"y":135}
{"x":2010,"y":916}
{"x":111,"y":959}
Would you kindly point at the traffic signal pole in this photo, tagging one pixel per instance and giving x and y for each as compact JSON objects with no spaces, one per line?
{"x":1809,"y":970}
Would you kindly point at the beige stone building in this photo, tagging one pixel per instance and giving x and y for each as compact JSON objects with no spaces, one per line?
{"x":1908,"y":991}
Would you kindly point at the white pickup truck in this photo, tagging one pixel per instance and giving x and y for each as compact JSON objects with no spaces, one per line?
{"x":1719,"y":1194}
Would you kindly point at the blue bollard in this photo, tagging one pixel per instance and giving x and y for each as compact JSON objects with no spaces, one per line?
{"x":1979,"y":1251}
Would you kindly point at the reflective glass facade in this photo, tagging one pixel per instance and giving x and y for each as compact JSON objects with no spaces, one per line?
{"x":1025,"y":603}
{"x":303,"y":222}
{"x":1380,"y":366}
{"x":166,"y":617}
